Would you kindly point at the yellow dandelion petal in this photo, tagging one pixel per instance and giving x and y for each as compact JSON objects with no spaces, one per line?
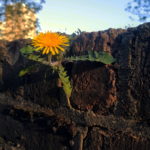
{"x":62,"y":49}
{"x":52,"y":51}
{"x":56,"y":50}
{"x":44,"y":51}
{"x":50,"y":42}
{"x":38,"y":48}
{"x":65,"y":45}
{"x":47,"y":50}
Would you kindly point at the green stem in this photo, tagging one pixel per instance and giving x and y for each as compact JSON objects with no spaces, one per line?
{"x":68,"y":102}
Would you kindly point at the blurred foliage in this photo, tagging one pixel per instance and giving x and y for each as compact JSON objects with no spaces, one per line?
{"x":16,"y":17}
{"x":32,"y":4}
{"x":139,"y":8}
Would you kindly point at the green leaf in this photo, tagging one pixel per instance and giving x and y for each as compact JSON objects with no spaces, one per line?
{"x":96,"y":54}
{"x":91,"y":53}
{"x":27,"y":50}
{"x":106,"y":58}
{"x":65,"y":81}
{"x":35,"y":57}
{"x":102,"y":57}
{"x":25,"y":71}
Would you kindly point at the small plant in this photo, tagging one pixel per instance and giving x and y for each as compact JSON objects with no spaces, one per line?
{"x":52,"y":46}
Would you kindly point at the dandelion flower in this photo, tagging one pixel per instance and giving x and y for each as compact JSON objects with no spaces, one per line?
{"x":50,"y":42}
